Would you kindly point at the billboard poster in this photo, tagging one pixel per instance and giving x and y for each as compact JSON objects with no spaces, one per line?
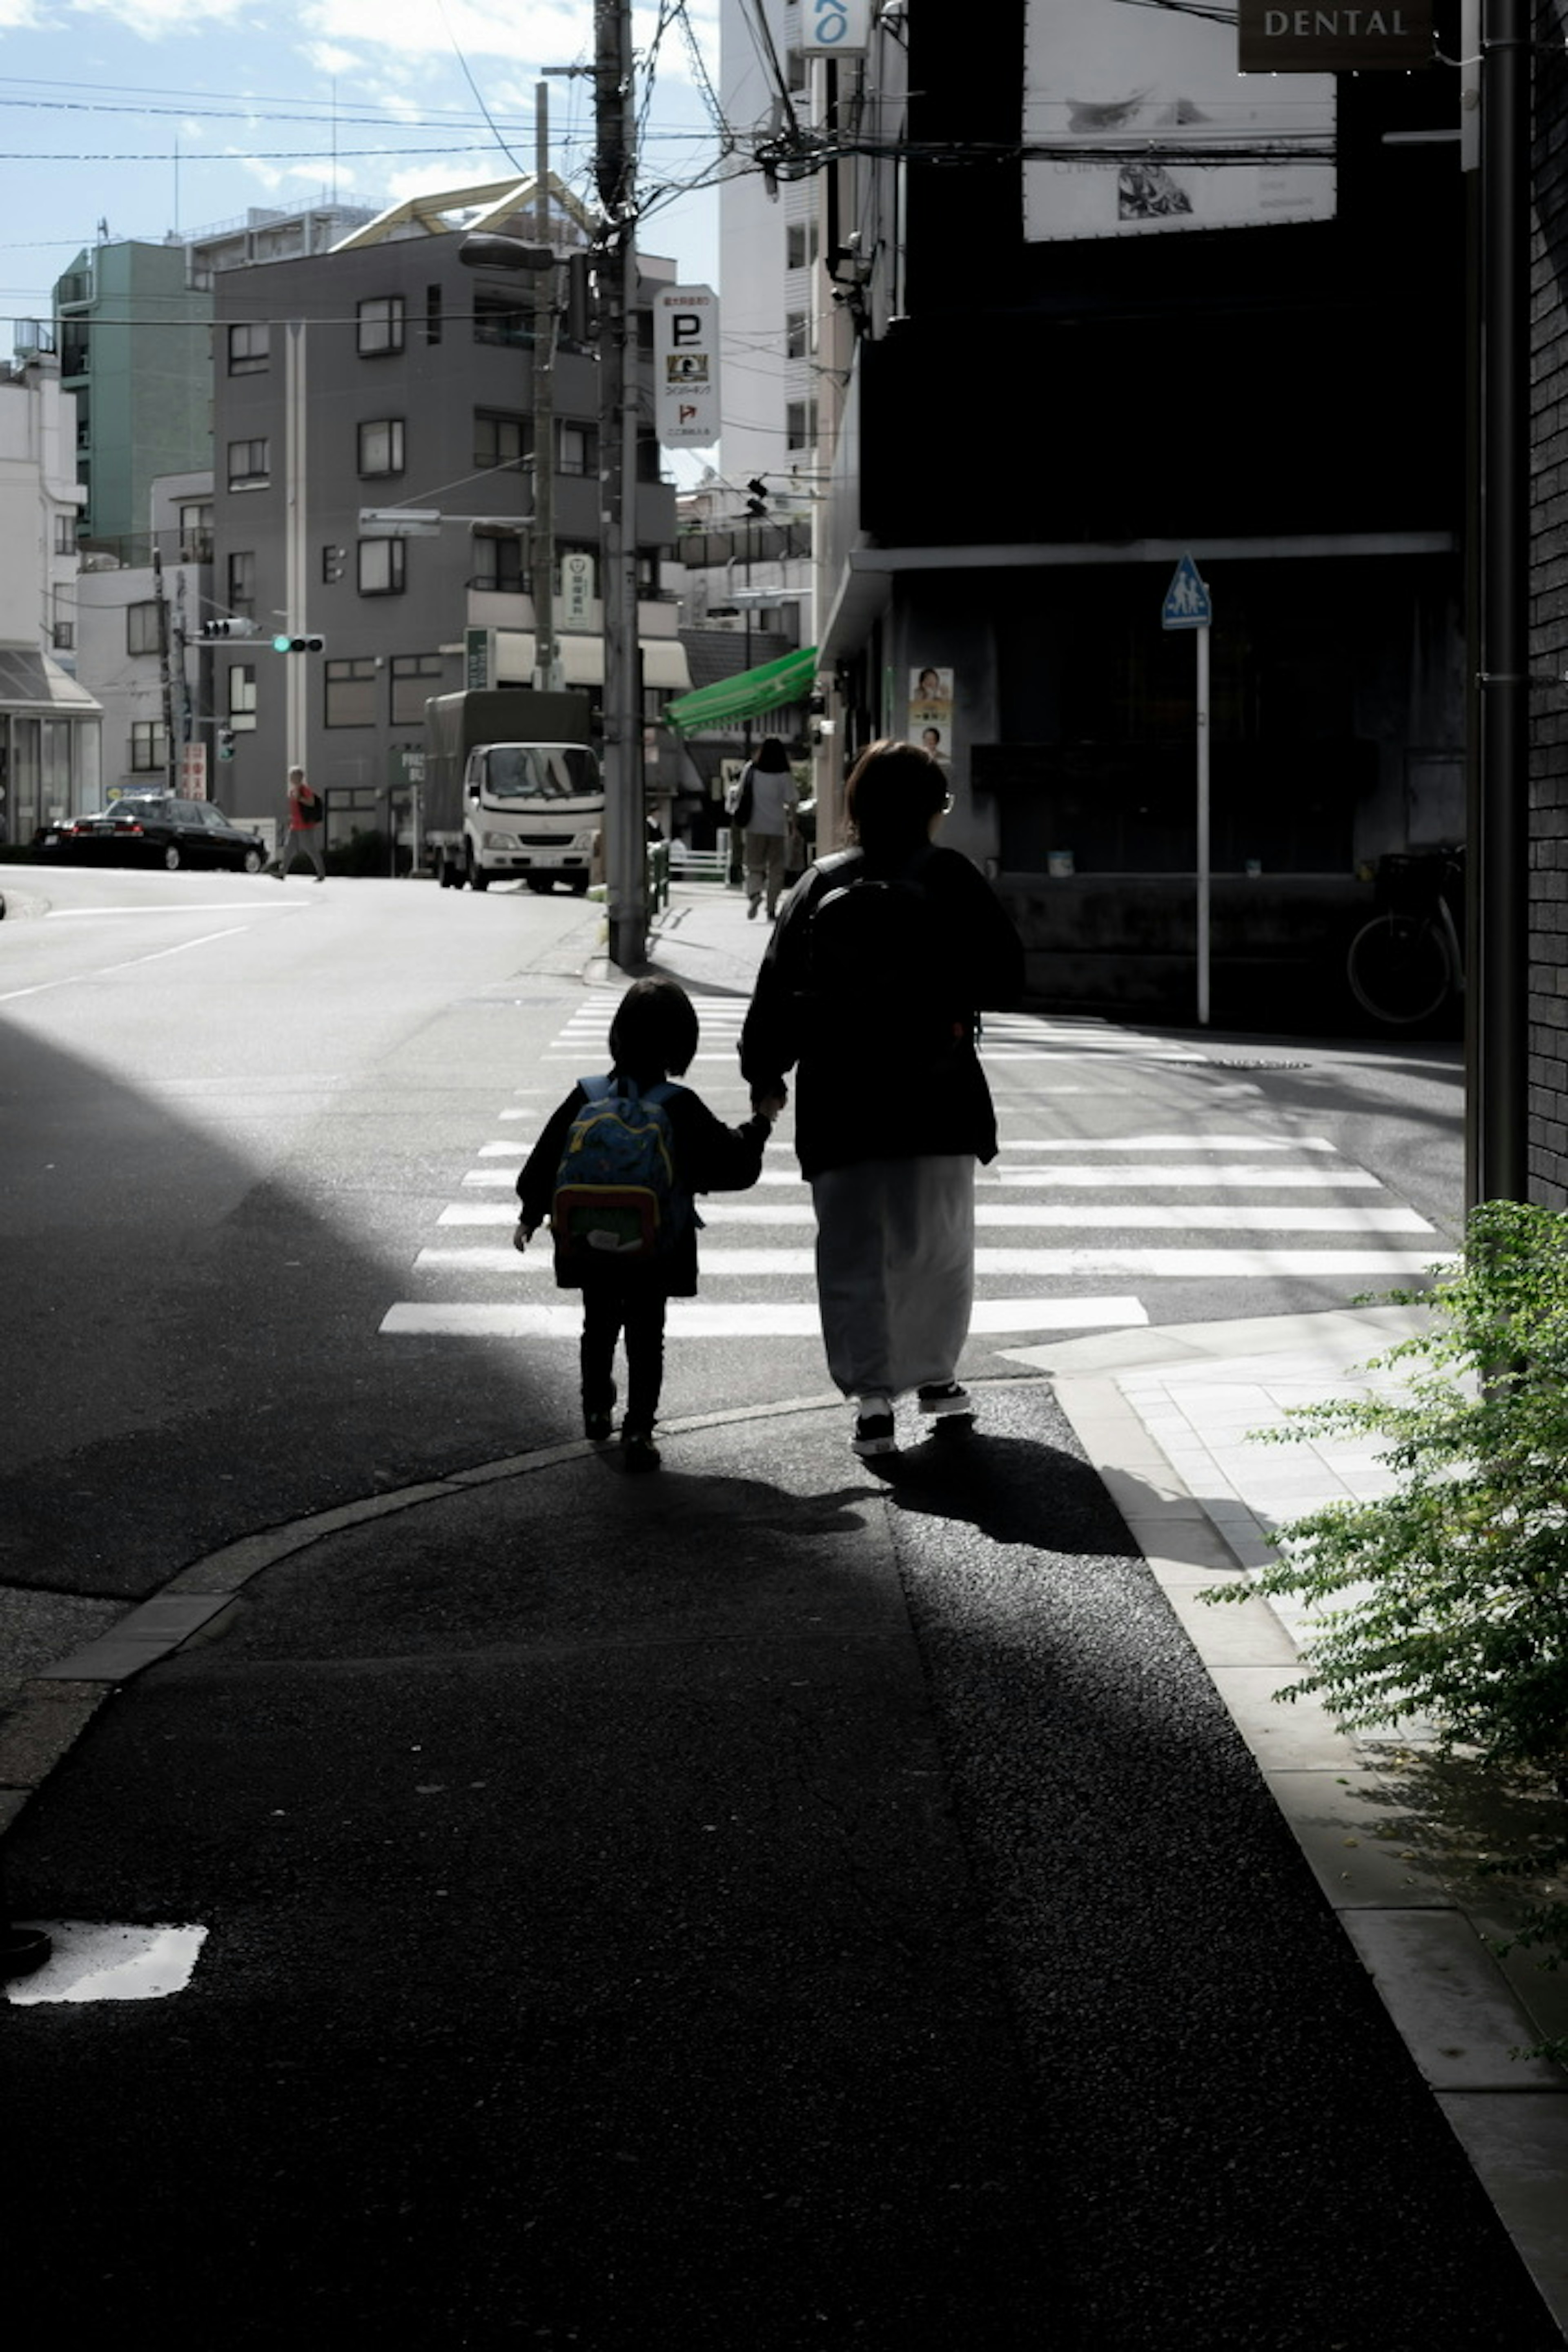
{"x":1148,"y":127}
{"x":931,"y":709}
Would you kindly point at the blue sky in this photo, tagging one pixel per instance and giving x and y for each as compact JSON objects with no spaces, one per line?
{"x":157,"y":115}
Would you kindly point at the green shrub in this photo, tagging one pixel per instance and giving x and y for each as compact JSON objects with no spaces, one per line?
{"x":1448,"y":1598}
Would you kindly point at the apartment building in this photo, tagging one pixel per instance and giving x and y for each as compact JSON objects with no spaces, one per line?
{"x":383,"y":375}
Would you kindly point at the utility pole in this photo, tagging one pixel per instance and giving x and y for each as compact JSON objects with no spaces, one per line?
{"x":546,"y":660}
{"x":296,"y":567}
{"x":626,"y":831}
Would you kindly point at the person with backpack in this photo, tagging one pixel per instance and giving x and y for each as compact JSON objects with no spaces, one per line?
{"x":870,"y":989}
{"x":303,"y":830}
{"x":614,"y":1173}
{"x":765,"y":812}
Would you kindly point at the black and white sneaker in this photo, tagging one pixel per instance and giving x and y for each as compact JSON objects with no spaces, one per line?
{"x":945,"y":1397}
{"x":874,"y":1433}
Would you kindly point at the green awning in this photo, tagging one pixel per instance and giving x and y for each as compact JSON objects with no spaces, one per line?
{"x":771,"y":686}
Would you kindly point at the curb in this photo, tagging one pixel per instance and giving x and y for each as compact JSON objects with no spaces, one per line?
{"x":1460,"y":2014}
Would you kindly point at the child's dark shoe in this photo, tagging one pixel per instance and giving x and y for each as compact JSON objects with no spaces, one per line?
{"x":638,"y":1451}
{"x":596,"y":1427}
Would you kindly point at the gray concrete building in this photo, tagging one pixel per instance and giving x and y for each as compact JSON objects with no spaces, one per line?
{"x":386,"y":374}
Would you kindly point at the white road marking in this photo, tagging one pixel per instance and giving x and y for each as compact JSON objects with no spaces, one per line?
{"x":105,"y":971}
{"x":697,"y":1318}
{"x":1038,"y":1265}
{"x":1224,"y":1216}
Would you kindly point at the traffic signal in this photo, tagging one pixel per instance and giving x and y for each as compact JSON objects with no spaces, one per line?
{"x":226,"y":743}
{"x":233,"y":627}
{"x":757,"y":504}
{"x":284,"y":643}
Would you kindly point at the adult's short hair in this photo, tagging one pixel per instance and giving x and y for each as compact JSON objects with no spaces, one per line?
{"x":653,"y":1031}
{"x":894,"y":791}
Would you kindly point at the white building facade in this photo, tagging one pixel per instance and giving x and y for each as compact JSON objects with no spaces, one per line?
{"x":48,"y":724}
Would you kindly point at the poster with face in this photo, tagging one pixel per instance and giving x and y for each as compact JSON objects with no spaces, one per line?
{"x":1149,"y":128}
{"x":931,"y":710}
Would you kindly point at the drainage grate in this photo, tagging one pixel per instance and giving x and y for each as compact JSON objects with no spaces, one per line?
{"x":1231,"y":1062}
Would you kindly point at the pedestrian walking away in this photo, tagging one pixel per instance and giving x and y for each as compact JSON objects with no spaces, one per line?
{"x":872,"y":984}
{"x":615,"y":1172}
{"x":764,"y":813}
{"x":303,"y":829}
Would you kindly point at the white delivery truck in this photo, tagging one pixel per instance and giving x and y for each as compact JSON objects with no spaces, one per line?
{"x":512,"y":789}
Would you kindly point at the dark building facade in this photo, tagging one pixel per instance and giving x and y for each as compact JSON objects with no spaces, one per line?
{"x":1035,"y":428}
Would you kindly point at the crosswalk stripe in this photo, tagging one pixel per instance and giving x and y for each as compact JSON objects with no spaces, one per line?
{"x":700,"y":1319}
{"x":1038,"y":1264}
{"x":1226,"y":1216}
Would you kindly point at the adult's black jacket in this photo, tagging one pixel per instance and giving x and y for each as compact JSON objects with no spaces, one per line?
{"x":870,"y":1085}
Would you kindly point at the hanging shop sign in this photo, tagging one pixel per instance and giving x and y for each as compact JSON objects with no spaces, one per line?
{"x":1335,"y":40}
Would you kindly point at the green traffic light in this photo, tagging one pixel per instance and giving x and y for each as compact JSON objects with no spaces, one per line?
{"x":281,"y":645}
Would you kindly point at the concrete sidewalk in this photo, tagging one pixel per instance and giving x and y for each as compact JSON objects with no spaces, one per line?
{"x":832,"y":1761}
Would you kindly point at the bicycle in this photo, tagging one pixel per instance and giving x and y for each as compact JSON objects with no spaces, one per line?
{"x":1407,"y":964}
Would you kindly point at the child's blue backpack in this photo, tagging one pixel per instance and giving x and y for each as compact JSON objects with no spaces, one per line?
{"x":615,"y":1199}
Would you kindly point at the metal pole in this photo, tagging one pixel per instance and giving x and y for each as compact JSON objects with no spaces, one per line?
{"x":626,"y":846}
{"x":165,"y":672}
{"x":546,"y":663}
{"x":1501,"y":972}
{"x":1202,"y":635}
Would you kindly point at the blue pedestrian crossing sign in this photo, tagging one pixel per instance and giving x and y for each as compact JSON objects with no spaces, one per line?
{"x":1186,"y":603}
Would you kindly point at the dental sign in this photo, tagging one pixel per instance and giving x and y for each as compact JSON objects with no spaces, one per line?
{"x":834,"y":28}
{"x":1334,"y":39}
{"x":685,"y":366}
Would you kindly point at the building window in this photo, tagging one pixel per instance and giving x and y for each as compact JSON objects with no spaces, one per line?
{"x":500,"y":439}
{"x":249,"y":466}
{"x":242,"y":698}
{"x":795,"y":69}
{"x":64,"y":627}
{"x":248,"y":347}
{"x":197,"y":530}
{"x":498,"y":561}
{"x":800,"y":424}
{"x":500,"y":318}
{"x":242,"y":584}
{"x":383,"y":567}
{"x":65,"y":534}
{"x":350,"y":691}
{"x":415,"y":678}
{"x":800,"y":245}
{"x":797,"y":335}
{"x":432,"y":314}
{"x":576,"y":447}
{"x":149,"y":745}
{"x":141,"y":628}
{"x":381,"y":447}
{"x":380,"y":325}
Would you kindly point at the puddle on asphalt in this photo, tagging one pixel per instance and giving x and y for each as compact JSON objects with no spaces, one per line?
{"x":95,"y":1962}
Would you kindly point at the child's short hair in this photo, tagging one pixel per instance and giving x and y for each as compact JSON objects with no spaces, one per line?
{"x":654,"y":1033}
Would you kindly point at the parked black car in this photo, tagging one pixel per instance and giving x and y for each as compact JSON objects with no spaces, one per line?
{"x":153,"y":829}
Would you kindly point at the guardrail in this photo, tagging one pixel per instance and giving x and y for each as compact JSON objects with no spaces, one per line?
{"x":700,"y":866}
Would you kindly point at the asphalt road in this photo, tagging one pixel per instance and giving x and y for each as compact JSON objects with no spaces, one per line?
{"x":762,"y":1906}
{"x":241,"y":1115}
